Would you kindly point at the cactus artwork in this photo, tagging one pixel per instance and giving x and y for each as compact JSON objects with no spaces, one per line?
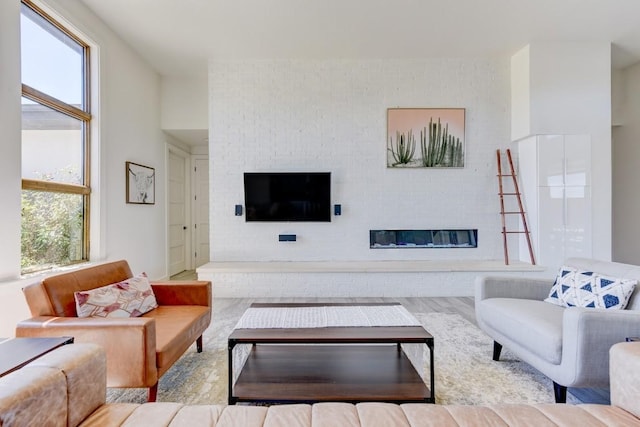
{"x":404,"y":148}
{"x":439,"y":148}
{"x":441,"y":138}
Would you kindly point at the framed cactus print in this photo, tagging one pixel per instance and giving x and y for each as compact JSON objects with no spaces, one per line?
{"x":425,"y":137}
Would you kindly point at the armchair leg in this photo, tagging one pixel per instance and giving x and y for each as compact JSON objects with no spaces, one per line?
{"x":153,"y":393}
{"x":560,"y":393}
{"x":199,"y":344}
{"x":497,"y":348}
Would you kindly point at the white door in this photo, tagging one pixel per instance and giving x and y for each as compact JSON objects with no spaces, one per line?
{"x":178,"y":245}
{"x":201,"y":210}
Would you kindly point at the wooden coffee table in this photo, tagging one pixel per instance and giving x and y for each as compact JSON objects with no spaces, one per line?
{"x":348,"y":364}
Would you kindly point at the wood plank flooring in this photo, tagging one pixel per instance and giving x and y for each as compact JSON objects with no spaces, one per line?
{"x":463,"y":306}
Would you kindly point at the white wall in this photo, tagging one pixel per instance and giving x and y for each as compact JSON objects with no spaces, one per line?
{"x":128,"y":116}
{"x":129,"y":108}
{"x":306,"y":115}
{"x":185,"y":102}
{"x":10,"y":128}
{"x":570,"y":88}
{"x":313,"y":115}
{"x":626,"y":174}
{"x":570,"y":93}
{"x":520,"y":94}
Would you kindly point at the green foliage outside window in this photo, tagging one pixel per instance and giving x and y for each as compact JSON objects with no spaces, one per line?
{"x":51,"y":229}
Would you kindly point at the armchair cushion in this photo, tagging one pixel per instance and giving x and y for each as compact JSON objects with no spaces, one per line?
{"x":177,"y":327}
{"x":129,"y":298}
{"x":537,"y":325}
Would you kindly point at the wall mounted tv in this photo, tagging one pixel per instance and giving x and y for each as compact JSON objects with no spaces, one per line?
{"x":287,"y":196}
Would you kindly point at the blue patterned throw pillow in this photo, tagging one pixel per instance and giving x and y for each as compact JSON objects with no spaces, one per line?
{"x":588,"y":289}
{"x":604,"y":292}
{"x":563,"y":282}
{"x":574,"y":292}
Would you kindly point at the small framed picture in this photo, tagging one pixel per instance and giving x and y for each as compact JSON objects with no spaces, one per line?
{"x":141,"y":184}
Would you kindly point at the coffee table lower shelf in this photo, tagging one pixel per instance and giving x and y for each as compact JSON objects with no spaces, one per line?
{"x":317,"y":373}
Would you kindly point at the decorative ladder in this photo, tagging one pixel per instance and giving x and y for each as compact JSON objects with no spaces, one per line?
{"x":520,"y":210}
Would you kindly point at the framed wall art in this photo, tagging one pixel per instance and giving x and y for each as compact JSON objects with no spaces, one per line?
{"x":425,"y":137}
{"x":141,"y":184}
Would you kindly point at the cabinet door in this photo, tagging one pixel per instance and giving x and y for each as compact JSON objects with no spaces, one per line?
{"x":550,"y":160}
{"x":551,"y":227}
{"x":578,"y":222}
{"x":577,"y":154}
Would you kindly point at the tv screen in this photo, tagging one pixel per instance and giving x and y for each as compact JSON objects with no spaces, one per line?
{"x":287,"y":196}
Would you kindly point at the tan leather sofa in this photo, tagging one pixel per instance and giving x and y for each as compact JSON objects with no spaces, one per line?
{"x":139,"y":350}
{"x":67,"y":388}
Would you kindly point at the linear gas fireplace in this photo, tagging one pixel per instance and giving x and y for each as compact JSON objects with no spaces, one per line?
{"x":388,"y":239}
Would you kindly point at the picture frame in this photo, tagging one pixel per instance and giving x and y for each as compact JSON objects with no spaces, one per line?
{"x":425,"y":137}
{"x":140,"y":184}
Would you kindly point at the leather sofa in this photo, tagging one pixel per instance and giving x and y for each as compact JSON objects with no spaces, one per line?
{"x":139,"y":350}
{"x":568,"y":345}
{"x":66,"y":387}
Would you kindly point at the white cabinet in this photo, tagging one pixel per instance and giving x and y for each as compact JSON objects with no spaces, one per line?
{"x":555,"y":172}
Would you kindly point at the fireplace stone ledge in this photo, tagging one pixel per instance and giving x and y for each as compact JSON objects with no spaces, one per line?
{"x":365,"y":266}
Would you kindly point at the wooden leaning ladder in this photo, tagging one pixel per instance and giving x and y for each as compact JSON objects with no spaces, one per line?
{"x":520,"y":210}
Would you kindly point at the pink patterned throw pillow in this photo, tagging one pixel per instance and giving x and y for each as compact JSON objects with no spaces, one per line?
{"x":129,"y":298}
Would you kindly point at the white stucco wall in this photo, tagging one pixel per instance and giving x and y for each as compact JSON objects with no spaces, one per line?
{"x":626,"y":174}
{"x":127,"y":115}
{"x":185,"y":102}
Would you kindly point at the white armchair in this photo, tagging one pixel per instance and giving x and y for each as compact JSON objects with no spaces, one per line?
{"x":568,"y":345}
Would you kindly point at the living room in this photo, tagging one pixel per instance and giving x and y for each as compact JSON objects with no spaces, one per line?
{"x":327,"y":113}
{"x":344,"y":128}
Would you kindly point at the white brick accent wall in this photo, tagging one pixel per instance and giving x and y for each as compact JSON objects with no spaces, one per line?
{"x":330,"y":115}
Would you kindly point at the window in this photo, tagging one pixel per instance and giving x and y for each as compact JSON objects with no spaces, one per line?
{"x":56,"y":121}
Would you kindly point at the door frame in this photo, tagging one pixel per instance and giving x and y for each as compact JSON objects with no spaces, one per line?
{"x":195,"y":157}
{"x":173,"y":149}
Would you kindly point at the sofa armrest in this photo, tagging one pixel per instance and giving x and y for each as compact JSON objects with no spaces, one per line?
{"x":186,"y":292}
{"x":129,"y":342}
{"x":511,"y":287}
{"x":588,"y":335}
{"x":625,"y":376}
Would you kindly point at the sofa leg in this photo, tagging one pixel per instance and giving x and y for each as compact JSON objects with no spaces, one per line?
{"x":560,"y":393}
{"x":153,"y":393}
{"x":497,"y":348}
{"x":199,"y":344}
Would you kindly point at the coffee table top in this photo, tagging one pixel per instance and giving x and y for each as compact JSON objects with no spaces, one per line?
{"x":339,"y":334}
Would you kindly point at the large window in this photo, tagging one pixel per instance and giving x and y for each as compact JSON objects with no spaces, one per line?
{"x":56,"y":121}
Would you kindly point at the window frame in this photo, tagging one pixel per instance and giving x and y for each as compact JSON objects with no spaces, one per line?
{"x":82,"y":114}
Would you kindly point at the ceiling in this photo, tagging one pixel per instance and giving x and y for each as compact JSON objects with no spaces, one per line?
{"x":177,"y":37}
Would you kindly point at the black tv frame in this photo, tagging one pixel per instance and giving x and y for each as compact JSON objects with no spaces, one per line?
{"x":286,"y":201}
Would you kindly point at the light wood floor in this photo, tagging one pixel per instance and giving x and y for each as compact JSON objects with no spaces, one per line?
{"x":463,"y":306}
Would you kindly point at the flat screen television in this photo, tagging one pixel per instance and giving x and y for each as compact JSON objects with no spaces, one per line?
{"x":287,"y":196}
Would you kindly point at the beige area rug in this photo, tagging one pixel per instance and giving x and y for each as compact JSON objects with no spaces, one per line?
{"x":465,"y":372}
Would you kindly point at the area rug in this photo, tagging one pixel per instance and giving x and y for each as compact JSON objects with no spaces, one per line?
{"x":465,"y":372}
